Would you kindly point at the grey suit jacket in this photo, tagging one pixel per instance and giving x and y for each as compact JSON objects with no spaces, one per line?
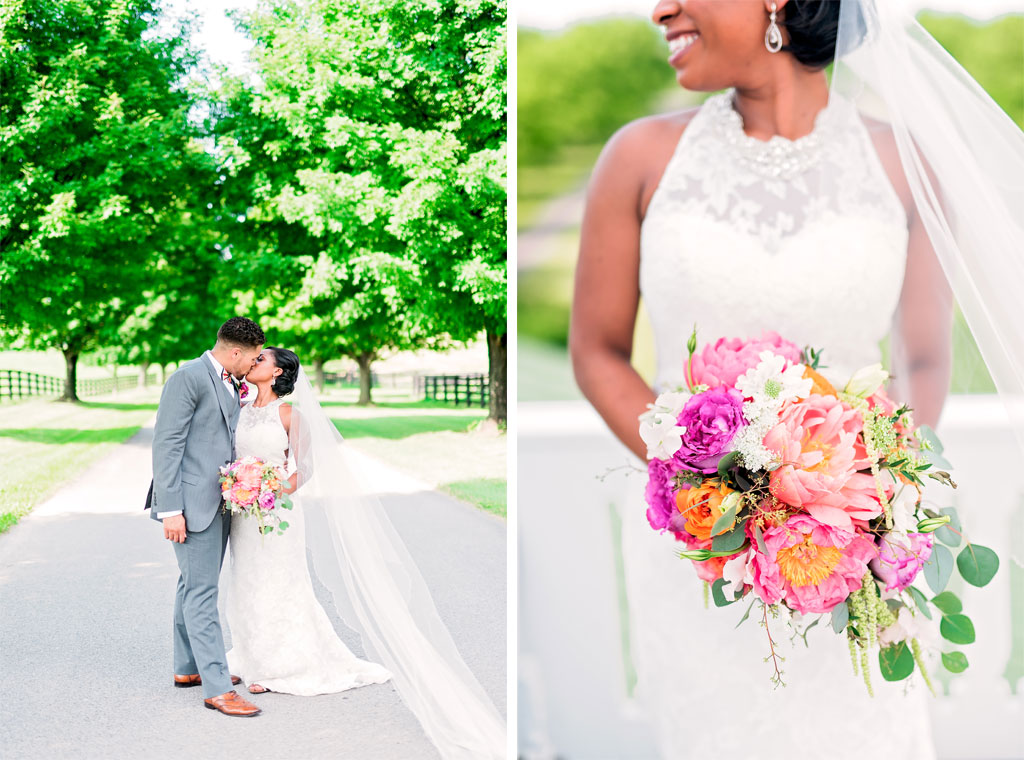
{"x":194,"y":436}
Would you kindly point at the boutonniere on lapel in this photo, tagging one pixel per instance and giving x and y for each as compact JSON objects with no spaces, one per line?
{"x":243,"y":392}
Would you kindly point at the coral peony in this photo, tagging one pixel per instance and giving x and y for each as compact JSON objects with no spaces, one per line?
{"x":710,"y":421}
{"x":817,"y":441}
{"x":243,"y":494}
{"x":249,"y":473}
{"x":810,"y":566}
{"x":700,"y":507}
{"x":721,"y":362}
{"x":897,"y":563}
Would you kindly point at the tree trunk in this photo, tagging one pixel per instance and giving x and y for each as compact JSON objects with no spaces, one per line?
{"x":143,"y":374}
{"x":115,"y":380}
{"x":365,"y":378}
{"x":163,"y":373}
{"x":70,"y":376}
{"x":318,"y":371}
{"x":497,"y":356}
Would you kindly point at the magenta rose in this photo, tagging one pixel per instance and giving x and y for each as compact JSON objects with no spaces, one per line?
{"x":266,"y":500}
{"x":721,"y":362}
{"x":898,"y":565}
{"x":711,"y":420}
{"x":660,"y":494}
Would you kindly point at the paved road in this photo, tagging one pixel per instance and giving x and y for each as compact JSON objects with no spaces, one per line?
{"x":86,"y":588}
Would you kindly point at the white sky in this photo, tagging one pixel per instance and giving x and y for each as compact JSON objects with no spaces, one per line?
{"x":551,"y":14}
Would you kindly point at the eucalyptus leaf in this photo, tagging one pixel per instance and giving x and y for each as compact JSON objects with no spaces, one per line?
{"x":840,"y":617}
{"x":896,"y":661}
{"x":725,"y":522}
{"x":729,"y":542}
{"x":957,"y":628}
{"x":921,"y":601}
{"x":977,"y":564}
{"x":759,"y":538}
{"x":933,"y":440}
{"x":950,"y":535}
{"x":938,"y":568}
{"x":718,"y":593}
{"x":726,"y":463}
{"x":948,"y":602}
{"x":955,"y":662}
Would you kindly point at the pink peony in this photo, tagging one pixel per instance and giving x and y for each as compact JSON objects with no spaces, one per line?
{"x":898,"y":565}
{"x":817,"y":441}
{"x":249,"y":473}
{"x":810,"y":566}
{"x":720,"y":363}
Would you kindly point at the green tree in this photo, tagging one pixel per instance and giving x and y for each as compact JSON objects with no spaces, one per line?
{"x":393,"y":121}
{"x":578,"y":85}
{"x":98,"y":159}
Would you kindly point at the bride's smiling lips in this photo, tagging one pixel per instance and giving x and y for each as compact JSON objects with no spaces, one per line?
{"x":679,"y":42}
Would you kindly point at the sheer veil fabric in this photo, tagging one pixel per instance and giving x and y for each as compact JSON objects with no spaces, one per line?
{"x":379,"y":592}
{"x":963,"y":160}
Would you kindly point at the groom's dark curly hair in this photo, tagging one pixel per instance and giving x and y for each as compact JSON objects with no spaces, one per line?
{"x":241,"y":331}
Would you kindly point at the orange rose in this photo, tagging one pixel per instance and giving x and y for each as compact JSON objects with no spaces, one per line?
{"x":701,"y":506}
{"x":821,"y":386}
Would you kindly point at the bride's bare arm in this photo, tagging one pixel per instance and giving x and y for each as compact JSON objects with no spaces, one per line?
{"x":923,"y":346}
{"x":607,"y":288}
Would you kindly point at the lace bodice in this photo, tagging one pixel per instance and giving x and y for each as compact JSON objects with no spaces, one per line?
{"x":261,"y":434}
{"x":805,"y":237}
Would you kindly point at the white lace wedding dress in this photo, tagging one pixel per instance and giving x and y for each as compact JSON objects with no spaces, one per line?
{"x":281,"y":637}
{"x":741,"y":236}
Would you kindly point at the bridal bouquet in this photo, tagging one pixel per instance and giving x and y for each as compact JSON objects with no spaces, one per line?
{"x":808,"y":499}
{"x":254,"y":488}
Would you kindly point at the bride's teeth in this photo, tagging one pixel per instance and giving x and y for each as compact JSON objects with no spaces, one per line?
{"x":681,"y":43}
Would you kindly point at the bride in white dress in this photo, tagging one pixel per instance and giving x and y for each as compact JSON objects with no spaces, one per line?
{"x":282,"y":639}
{"x":761,"y":210}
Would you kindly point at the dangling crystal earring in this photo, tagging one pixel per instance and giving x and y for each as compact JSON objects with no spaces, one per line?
{"x":773,"y":37}
{"x":272,"y":381}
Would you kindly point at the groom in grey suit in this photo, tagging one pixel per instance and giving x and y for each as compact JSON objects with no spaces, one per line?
{"x":194,"y":436}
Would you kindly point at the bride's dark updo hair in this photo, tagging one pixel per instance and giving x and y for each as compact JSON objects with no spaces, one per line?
{"x":813,"y":26}
{"x":288,"y":363}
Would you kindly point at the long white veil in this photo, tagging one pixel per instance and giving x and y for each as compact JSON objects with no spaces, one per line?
{"x":963,"y":159}
{"x":380,"y":593}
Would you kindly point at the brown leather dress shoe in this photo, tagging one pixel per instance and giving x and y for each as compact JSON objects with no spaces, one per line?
{"x":184,"y":682}
{"x":232,"y":704}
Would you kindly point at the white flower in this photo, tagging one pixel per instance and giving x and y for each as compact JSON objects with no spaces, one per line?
{"x":749,"y":442}
{"x":866,"y":381}
{"x":739,"y":570}
{"x":908,"y":626}
{"x":661,"y":434}
{"x":771,"y":382}
{"x":658,"y":427}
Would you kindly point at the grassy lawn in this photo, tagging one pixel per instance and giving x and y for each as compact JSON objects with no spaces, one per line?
{"x":450,"y":449}
{"x":44,"y":444}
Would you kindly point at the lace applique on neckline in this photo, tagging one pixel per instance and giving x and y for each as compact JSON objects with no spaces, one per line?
{"x":777,"y":157}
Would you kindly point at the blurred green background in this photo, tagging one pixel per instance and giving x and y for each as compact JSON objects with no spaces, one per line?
{"x":564,"y":120}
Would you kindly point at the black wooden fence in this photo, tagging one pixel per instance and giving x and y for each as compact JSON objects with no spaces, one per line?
{"x":16,"y":385}
{"x":462,"y":390}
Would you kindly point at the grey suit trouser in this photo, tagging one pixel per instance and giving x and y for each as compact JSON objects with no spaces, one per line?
{"x":198,"y":640}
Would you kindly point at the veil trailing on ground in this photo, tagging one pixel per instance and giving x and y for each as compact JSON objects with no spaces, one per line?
{"x":380,"y":593}
{"x":962,"y":159}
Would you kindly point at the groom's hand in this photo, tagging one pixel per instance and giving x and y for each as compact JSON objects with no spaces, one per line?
{"x":174,"y":528}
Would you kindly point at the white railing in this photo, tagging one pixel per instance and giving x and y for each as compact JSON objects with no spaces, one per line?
{"x":573,"y":679}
